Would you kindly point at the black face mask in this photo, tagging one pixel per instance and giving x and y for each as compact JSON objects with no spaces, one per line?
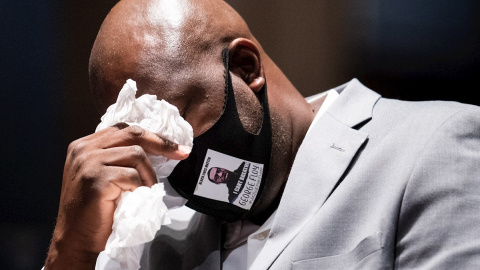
{"x":226,"y":170}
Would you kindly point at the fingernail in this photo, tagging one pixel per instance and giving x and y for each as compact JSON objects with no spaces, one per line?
{"x":184,"y":149}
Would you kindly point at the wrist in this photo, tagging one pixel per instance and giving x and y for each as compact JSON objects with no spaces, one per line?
{"x":62,"y":254}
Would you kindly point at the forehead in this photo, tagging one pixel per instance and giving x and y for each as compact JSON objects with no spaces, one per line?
{"x":213,"y":171}
{"x":146,"y":41}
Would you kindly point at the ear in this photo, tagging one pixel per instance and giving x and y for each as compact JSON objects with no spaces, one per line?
{"x":244,"y":61}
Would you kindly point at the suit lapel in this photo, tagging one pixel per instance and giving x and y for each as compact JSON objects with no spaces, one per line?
{"x":322,"y":159}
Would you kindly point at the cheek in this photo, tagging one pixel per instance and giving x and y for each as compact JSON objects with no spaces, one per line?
{"x":207,"y":92}
{"x":203,"y":113}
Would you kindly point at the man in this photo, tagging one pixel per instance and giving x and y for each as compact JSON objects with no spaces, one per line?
{"x":374,"y":183}
{"x":233,"y":180}
{"x":219,"y":175}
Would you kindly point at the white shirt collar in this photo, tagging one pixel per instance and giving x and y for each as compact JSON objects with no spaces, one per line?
{"x":331,"y":94}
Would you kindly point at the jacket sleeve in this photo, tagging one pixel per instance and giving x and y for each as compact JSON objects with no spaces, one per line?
{"x":439,"y":223}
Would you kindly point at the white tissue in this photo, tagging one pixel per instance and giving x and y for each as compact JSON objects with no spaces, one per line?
{"x":141,"y":213}
{"x":157,"y":116}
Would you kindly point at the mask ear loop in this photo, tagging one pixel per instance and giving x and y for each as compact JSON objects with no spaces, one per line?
{"x":230,"y":98}
{"x":230,"y":105}
{"x":225,"y":77}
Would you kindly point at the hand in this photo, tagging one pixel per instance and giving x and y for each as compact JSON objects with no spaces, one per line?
{"x":97,"y":169}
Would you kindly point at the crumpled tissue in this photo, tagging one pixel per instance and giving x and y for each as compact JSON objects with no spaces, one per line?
{"x":141,"y":213}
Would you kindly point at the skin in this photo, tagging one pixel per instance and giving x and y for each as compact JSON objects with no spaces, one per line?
{"x":171,"y":49}
{"x":218,"y":175}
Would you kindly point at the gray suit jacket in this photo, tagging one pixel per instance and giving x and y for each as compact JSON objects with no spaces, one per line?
{"x":377,"y":184}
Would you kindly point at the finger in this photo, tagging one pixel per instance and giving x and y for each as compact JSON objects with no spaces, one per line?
{"x":151,"y":143}
{"x":134,"y":157}
{"x":117,"y":180}
{"x":95,"y":138}
{"x":92,"y":140}
{"x":107,"y":131}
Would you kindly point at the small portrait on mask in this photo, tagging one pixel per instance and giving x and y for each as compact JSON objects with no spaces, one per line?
{"x":229,"y":179}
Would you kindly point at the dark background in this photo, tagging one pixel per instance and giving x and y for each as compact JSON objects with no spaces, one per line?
{"x":414,"y":50}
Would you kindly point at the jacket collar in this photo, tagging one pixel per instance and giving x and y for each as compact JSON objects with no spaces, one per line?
{"x":323,"y":157}
{"x":355,"y":104}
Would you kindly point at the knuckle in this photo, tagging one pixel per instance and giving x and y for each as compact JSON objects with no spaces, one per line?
{"x":82,"y":158}
{"x":85,"y":166}
{"x":138,"y":152}
{"x":169,"y":145}
{"x":76,"y":148}
{"x":108,"y":177}
{"x":88,"y":177}
{"x":132,"y":176}
{"x":134,"y":132}
{"x":90,"y":174}
{"x":131,"y":173}
{"x":72,"y":146}
{"x":120,"y":125}
{"x":127,"y":174}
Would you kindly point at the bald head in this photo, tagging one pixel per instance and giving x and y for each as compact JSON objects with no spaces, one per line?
{"x":160,"y":42}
